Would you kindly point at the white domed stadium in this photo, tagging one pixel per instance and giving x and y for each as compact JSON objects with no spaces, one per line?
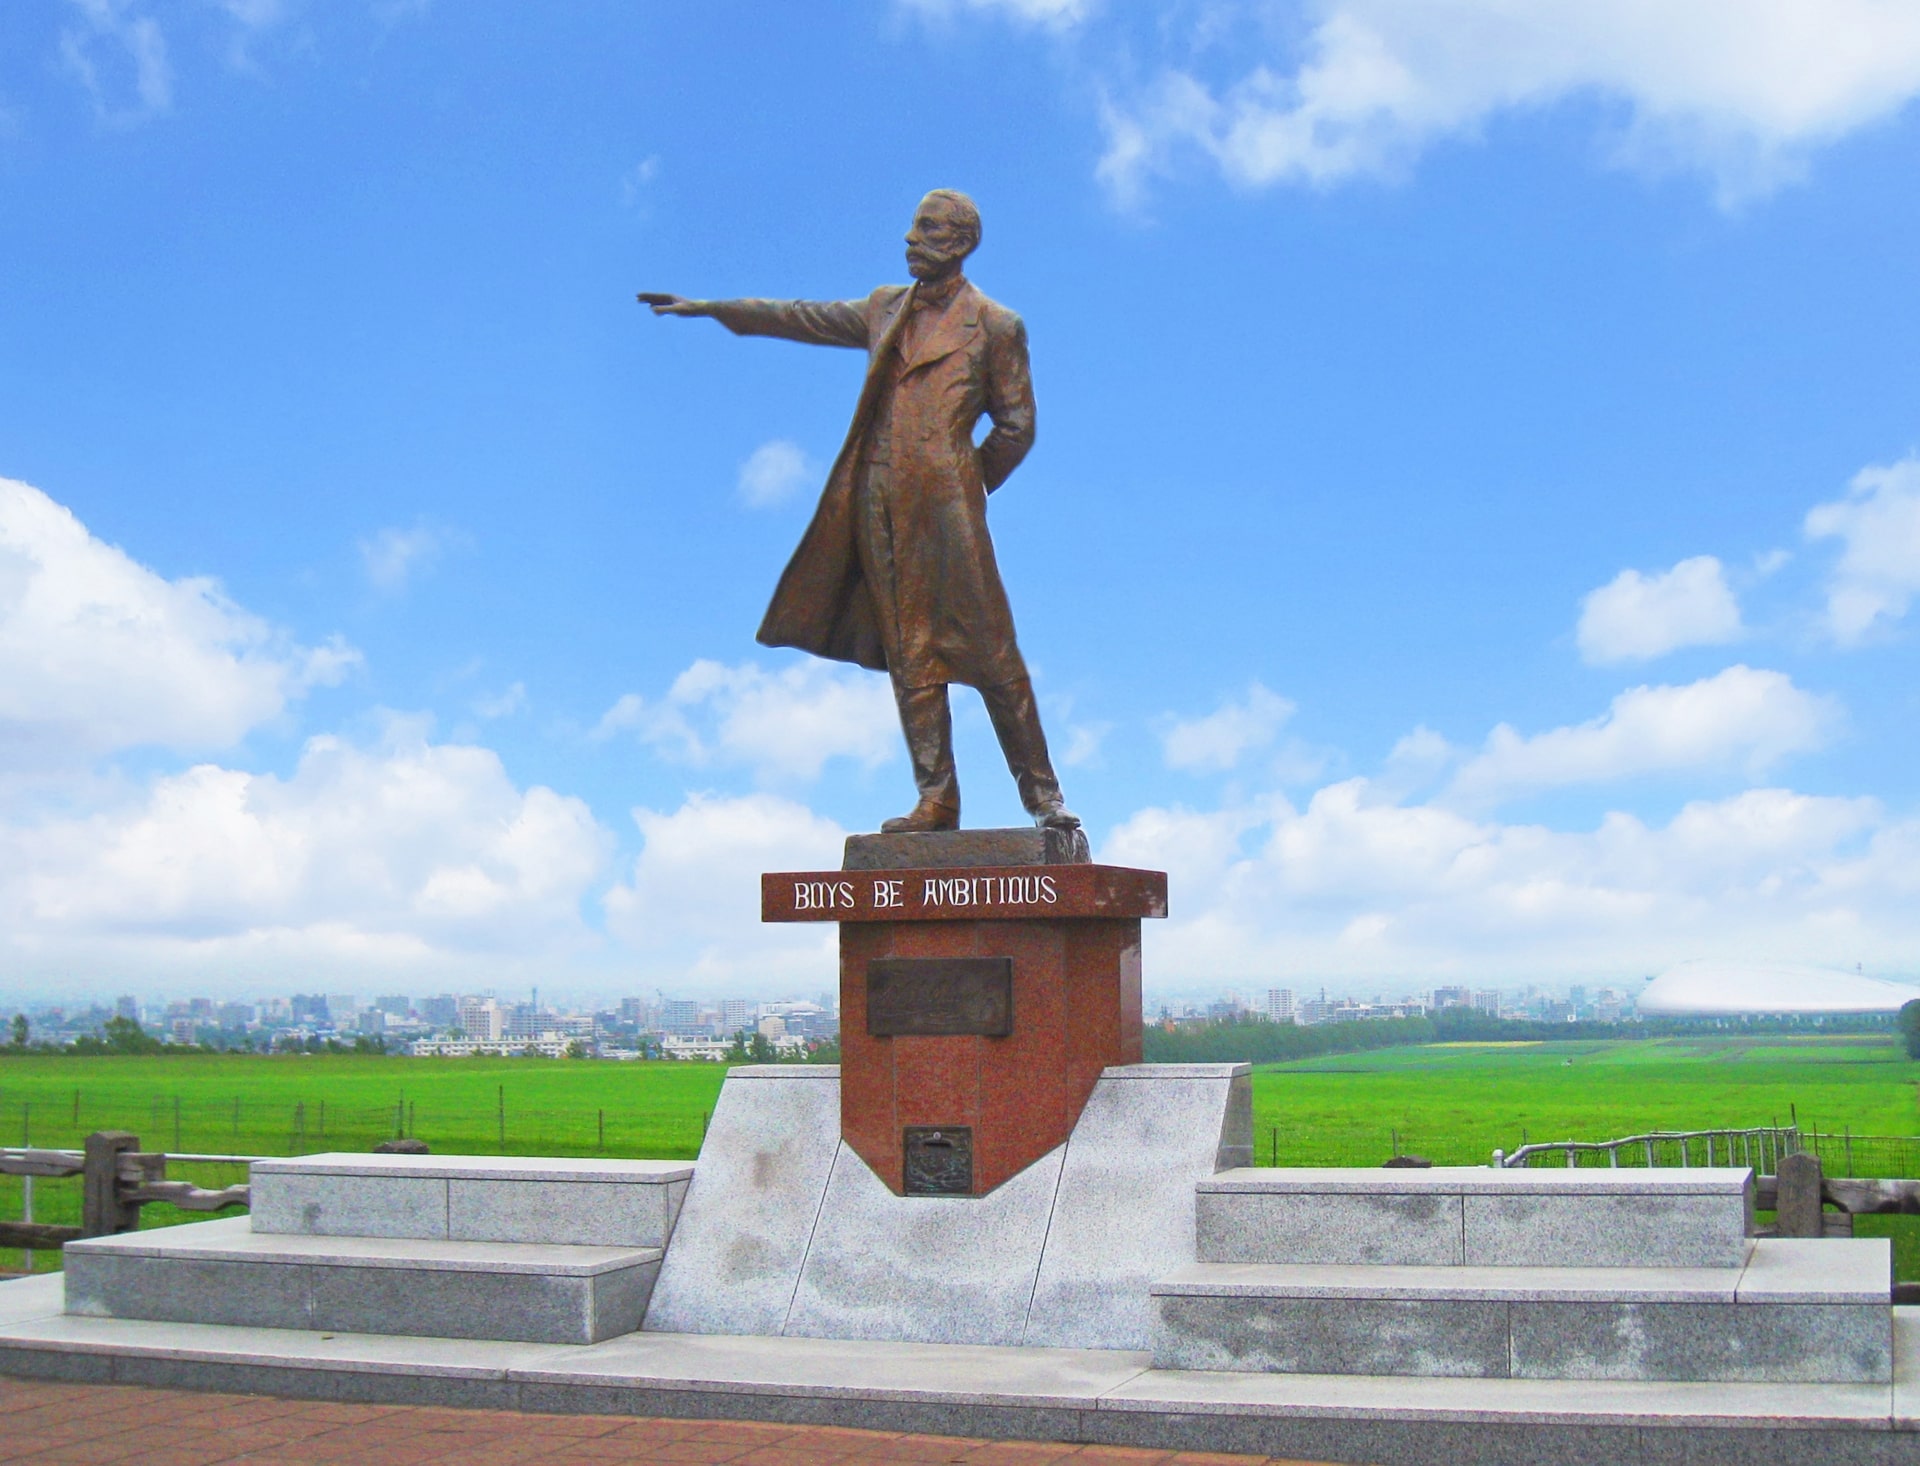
{"x":1714,"y":988}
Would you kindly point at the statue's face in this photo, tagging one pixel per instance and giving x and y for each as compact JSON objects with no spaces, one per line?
{"x":937,"y":243}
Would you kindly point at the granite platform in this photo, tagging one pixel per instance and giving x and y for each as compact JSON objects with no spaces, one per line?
{"x":600,"y":1203}
{"x":1110,"y":1397}
{"x":1796,"y":1311}
{"x":1478,"y":1216}
{"x":787,"y":1231}
{"x":224,"y":1272}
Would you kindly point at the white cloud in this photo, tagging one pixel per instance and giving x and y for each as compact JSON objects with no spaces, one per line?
{"x":1742,"y":718}
{"x":1219,"y":740}
{"x":774,"y":472}
{"x":783,"y":725}
{"x":1084,"y":743}
{"x":404,"y":853}
{"x":1634,"y":617}
{"x":99,"y":653}
{"x":1740,"y":90}
{"x":505,"y":705}
{"x":1878,"y":526}
{"x":633,"y":186}
{"x":392,"y":556}
{"x":251,"y":20}
{"x":1054,"y":14}
{"x":1356,"y":887}
{"x":693,"y":903}
{"x":119,"y":57}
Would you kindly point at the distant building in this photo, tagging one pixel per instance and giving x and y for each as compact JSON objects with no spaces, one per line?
{"x":1487,"y":1001}
{"x":1455,"y":997}
{"x":481,"y":1020}
{"x":440,"y":1012}
{"x":737,"y":1014}
{"x":126,"y":1006}
{"x":681,"y":1016}
{"x":1280,"y":1005}
{"x":713,"y":1050}
{"x":309,"y":1008}
{"x":464,"y":1048}
{"x":395,"y":1006}
{"x":341,"y":1007}
{"x":234,"y":1015}
{"x":525,"y":1025}
{"x":372,"y":1022}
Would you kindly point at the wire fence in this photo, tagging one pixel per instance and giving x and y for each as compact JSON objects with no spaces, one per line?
{"x":253,"y":1126}
{"x":1842,"y":1153}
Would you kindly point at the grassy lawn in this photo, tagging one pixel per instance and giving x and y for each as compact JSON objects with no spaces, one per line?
{"x":1456,"y":1103}
{"x":1453,"y":1103}
{"x":296,"y":1104}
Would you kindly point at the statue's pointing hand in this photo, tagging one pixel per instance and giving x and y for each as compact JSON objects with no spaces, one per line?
{"x":671,"y":305}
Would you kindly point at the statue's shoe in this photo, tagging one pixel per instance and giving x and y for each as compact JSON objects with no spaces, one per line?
{"x":1054,"y":815}
{"x":924,"y":819}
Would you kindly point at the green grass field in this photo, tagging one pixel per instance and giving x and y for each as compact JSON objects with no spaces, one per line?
{"x":1453,"y":1103}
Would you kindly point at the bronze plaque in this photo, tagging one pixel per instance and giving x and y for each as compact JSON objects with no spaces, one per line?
{"x":919,"y":996}
{"x":939,"y":1160}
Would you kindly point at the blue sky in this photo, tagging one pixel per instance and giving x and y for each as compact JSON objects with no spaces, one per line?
{"x":1472,"y":534}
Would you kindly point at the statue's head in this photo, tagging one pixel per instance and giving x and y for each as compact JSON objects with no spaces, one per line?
{"x":946,"y":229}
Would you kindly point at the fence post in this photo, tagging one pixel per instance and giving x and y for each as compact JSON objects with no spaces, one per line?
{"x":102,"y":1213}
{"x":1798,"y":1210}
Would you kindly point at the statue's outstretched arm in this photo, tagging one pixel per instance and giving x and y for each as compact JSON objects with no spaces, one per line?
{"x":816,"y":322}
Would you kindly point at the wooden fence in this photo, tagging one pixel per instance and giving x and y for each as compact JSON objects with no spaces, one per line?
{"x":1762,"y":1149}
{"x":117,"y":1178}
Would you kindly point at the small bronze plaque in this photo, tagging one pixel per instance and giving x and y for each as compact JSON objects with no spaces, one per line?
{"x":939,"y":1160}
{"x":940,"y":995}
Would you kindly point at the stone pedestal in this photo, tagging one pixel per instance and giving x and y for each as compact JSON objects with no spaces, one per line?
{"x":987,"y":978}
{"x":786,"y":1231}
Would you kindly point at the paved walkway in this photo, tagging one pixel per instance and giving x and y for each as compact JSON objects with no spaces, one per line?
{"x":101,"y":1424}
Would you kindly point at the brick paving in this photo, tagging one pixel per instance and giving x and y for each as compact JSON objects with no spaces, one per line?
{"x":96,"y":1425}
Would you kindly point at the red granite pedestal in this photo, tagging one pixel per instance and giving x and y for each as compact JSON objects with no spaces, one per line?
{"x":992,"y":1055}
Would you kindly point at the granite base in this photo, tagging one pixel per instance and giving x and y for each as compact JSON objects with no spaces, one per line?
{"x":786,"y":1231}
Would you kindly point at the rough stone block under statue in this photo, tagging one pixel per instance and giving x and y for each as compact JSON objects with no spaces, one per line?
{"x":987,"y":979}
{"x":787,"y":1230}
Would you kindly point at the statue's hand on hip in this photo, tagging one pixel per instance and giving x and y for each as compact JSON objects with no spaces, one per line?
{"x":671,"y":305}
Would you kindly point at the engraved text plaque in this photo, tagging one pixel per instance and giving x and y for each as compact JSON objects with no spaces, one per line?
{"x":916,"y":996}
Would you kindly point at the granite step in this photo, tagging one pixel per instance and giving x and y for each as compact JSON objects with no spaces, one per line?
{"x":567,"y":1202}
{"x":1477,"y":1216}
{"x":1816,"y":1311}
{"x":223,"y":1272}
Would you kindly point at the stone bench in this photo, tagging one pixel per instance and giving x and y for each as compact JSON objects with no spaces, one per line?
{"x":592,"y":1203}
{"x":1475,"y":1216}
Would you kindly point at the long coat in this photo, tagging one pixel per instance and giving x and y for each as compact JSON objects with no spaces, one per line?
{"x":896,"y":571}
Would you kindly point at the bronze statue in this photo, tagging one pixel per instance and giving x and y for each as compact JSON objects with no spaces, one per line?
{"x":896,"y":572}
